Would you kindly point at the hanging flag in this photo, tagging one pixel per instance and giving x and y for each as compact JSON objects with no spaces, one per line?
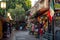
{"x":51,"y":10}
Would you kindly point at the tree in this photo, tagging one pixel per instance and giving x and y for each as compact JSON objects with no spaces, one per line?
{"x":11,"y":4}
{"x":18,"y":8}
{"x":18,"y":12}
{"x":26,"y":4}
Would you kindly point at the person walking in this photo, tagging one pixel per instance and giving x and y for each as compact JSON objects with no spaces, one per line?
{"x":41,"y":33}
{"x":33,"y":29}
{"x":40,"y":26}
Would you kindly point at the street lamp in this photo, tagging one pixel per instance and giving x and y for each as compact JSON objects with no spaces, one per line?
{"x":9,"y":15}
{"x":3,"y":6}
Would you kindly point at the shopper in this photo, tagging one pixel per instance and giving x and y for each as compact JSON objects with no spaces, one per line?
{"x":33,"y":29}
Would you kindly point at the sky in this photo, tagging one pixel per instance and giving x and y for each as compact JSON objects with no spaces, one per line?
{"x":33,"y":2}
{"x":0,"y":0}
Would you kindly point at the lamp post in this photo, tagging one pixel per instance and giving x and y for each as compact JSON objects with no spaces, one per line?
{"x":9,"y":15}
{"x":3,"y":6}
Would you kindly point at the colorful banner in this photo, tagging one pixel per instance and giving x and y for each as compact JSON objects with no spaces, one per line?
{"x":51,"y":10}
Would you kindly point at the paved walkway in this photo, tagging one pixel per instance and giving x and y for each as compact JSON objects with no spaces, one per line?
{"x":22,"y":35}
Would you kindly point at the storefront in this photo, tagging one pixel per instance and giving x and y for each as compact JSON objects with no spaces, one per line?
{"x":57,"y":24}
{"x":57,"y":20}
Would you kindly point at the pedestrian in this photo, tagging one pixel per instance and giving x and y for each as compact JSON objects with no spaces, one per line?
{"x":36,"y":31}
{"x":30,"y":28}
{"x":33,"y":29}
{"x":40,"y":25}
{"x":41,"y":33}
